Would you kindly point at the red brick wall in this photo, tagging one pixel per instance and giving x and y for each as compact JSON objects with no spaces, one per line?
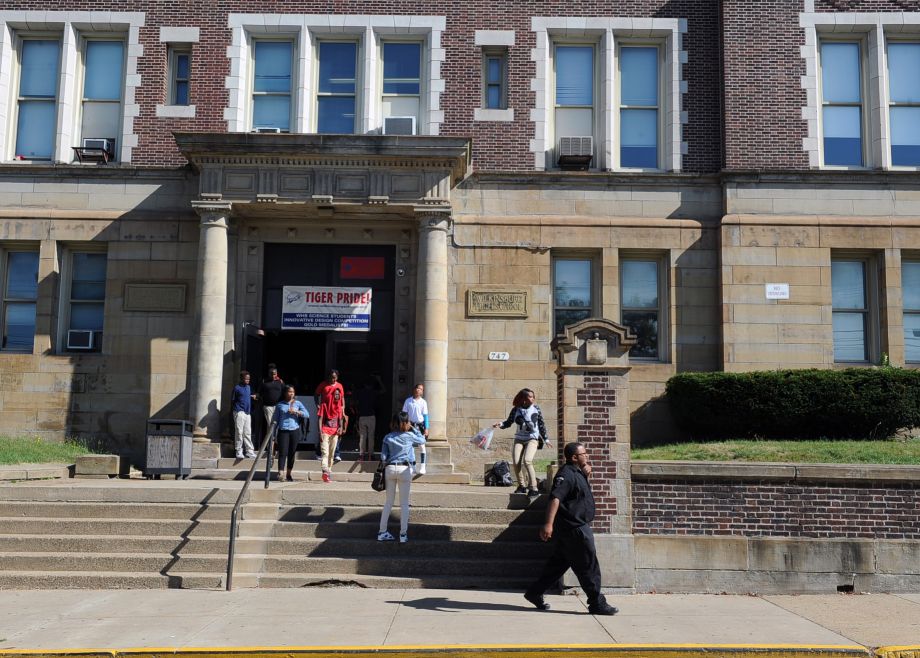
{"x":503,"y":146}
{"x":776,"y":510}
{"x":597,"y":432}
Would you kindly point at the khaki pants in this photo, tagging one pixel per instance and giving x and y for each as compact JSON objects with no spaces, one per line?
{"x":269,"y":414}
{"x":367,"y":427}
{"x":522,"y":455}
{"x":327,"y":446}
{"x":242,"y":436}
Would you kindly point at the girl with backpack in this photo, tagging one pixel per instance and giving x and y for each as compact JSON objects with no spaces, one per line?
{"x":528,"y":438}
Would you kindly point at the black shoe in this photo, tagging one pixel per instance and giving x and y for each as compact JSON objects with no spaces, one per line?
{"x":533,"y":492}
{"x":289,"y":478}
{"x":521,"y":490}
{"x":537,"y":600}
{"x":604,"y":609}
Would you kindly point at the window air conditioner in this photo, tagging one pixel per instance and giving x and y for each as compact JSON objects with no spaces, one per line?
{"x":266,"y":129}
{"x":100,"y":143}
{"x":576,"y":152}
{"x":79,"y":339}
{"x":399,"y":126}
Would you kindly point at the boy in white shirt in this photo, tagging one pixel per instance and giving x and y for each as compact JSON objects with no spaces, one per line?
{"x":417,"y":409}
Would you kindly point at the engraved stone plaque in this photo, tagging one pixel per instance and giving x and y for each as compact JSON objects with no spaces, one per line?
{"x":497,"y":303}
{"x":155,"y":297}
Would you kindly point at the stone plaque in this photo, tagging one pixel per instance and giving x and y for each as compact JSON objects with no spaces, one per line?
{"x":155,"y":297}
{"x":497,"y":303}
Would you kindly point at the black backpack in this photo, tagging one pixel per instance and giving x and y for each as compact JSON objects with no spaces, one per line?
{"x":499,"y":475}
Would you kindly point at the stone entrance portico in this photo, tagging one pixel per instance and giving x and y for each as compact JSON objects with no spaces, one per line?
{"x":390,"y":189}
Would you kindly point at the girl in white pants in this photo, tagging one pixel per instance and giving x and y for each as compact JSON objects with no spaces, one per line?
{"x":398,"y":453}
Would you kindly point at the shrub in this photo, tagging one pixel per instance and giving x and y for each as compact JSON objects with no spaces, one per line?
{"x":856,"y":403}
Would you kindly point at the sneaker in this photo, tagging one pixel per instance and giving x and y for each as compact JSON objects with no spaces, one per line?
{"x":533,"y":492}
{"x":385,"y":536}
{"x":537,"y":601}
{"x":239,"y":455}
{"x":250,"y":455}
{"x":403,"y":538}
{"x":521,"y":489}
{"x":602,"y":609}
{"x":289,"y":478}
{"x":326,"y":477}
{"x":336,"y":459}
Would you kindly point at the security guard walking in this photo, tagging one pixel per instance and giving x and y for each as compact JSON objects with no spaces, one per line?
{"x":568,"y":521}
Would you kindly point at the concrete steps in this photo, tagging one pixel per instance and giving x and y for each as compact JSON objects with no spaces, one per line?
{"x":163,"y":534}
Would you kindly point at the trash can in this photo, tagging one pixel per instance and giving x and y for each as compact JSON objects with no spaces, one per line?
{"x":169,"y":448}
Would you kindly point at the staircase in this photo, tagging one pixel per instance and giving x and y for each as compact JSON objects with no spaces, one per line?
{"x":159,"y":534}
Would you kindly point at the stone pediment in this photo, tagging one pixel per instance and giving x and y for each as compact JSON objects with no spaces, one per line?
{"x":593,"y":342}
{"x":326,"y":170}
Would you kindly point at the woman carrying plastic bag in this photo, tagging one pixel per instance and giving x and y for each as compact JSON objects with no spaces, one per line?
{"x":528,"y":438}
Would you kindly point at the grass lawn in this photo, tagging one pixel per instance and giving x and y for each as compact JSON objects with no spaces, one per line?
{"x":37,"y":451}
{"x":892,"y":451}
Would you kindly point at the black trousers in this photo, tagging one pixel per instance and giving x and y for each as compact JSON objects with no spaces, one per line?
{"x":573,"y":549}
{"x":287,"y":448}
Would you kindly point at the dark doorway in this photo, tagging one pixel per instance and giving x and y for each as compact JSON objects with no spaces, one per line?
{"x":304,"y":357}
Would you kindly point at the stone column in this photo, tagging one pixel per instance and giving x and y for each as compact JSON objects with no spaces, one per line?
{"x":431,"y":323}
{"x":206,"y":361}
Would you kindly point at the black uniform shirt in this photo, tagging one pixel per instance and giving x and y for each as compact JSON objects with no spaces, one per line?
{"x":576,"y":502}
{"x":271,"y":392}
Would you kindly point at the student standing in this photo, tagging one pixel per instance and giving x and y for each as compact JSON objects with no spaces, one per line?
{"x":417,"y":408}
{"x":270,"y":393}
{"x":330,"y":413}
{"x":528,"y":438}
{"x":241,"y":404}
{"x":289,"y":415}
{"x":366,"y":403}
{"x":398,"y":453}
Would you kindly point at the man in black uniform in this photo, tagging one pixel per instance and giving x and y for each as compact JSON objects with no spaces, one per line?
{"x":568,"y":521}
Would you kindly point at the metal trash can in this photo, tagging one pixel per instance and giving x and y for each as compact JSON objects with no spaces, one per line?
{"x":168,"y":448}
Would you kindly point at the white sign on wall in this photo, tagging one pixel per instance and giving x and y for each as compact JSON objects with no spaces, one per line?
{"x":324,"y":308}
{"x":777,"y":290}
{"x":499,"y":356}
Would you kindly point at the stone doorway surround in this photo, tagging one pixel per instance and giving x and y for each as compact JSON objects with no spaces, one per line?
{"x":320,"y":180}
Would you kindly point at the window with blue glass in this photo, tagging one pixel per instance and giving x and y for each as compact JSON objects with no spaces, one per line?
{"x":20,"y":291}
{"x":402,"y":79}
{"x":851,"y":304}
{"x":271,"y":85}
{"x":336,"y":95}
{"x":87,"y":294}
{"x":574,"y":91}
{"x":573,"y":291}
{"x":910,"y":287}
{"x":494,"y":67}
{"x":640,"y":304}
{"x":842,"y":98}
{"x":904,"y":103}
{"x":639,"y":105}
{"x":103,"y":81}
{"x":39,"y":61}
{"x":180,"y":69}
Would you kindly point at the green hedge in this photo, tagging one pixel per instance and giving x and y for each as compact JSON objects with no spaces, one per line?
{"x":856,"y":403}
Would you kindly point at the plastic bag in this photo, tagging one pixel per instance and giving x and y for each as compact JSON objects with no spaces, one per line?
{"x":483,"y":438}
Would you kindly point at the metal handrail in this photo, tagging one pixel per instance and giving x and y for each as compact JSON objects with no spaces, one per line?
{"x":269,"y":435}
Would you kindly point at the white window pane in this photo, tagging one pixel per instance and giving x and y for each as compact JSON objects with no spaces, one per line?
{"x":574,"y":122}
{"x":575,"y":75}
{"x":35,"y":129}
{"x":848,"y":284}
{"x":336,"y":115}
{"x":850,"y":337}
{"x":402,"y":63}
{"x":272,"y":66}
{"x":337,"y":67}
{"x":910,"y":285}
{"x":271,"y":112}
{"x":843,"y":136}
{"x":840,"y":72}
{"x":905,"y":136}
{"x":639,"y":138}
{"x":640,"y":284}
{"x":639,"y":76}
{"x":406,"y":106}
{"x":904,"y":72}
{"x":86,"y":317}
{"x":100,"y":120}
{"x":39,"y":68}
{"x":103,"y":77}
{"x":18,"y":326}
{"x":572,"y":281}
{"x":21,"y":275}
{"x":912,"y":337}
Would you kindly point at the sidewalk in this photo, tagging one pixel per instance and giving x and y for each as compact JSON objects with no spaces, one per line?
{"x":427,"y":619}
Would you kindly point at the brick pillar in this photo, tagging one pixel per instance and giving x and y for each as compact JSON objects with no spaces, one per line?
{"x":593,"y":408}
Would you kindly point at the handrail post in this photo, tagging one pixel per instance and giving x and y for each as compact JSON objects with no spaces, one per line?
{"x":234,"y":514}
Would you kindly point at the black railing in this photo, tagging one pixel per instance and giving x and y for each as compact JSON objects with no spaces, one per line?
{"x":266,"y":448}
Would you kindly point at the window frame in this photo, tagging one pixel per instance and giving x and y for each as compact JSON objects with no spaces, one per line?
{"x":85,"y":40}
{"x":870,"y":311}
{"x":595,"y":286}
{"x":175,"y":52}
{"x":5,"y":251}
{"x":359,"y":79}
{"x":864,"y":126}
{"x":661,"y":270}
{"x":291,"y":93}
{"x":890,"y":39}
{"x":501,"y":54}
{"x":424,"y":54}
{"x":66,"y":300}
{"x":661,"y":108}
{"x":909,"y":259}
{"x":18,"y":99}
{"x":596,"y":110}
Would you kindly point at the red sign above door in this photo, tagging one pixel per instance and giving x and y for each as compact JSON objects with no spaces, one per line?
{"x":361,"y":267}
